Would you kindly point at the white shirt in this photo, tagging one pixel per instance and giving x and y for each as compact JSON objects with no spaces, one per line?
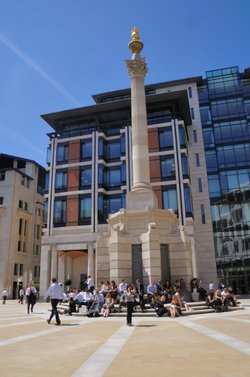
{"x":29,"y":290}
{"x":122,"y":287}
{"x":90,"y":283}
{"x":55,"y":291}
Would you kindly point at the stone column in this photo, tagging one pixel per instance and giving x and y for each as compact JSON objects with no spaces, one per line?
{"x":137,"y":70}
{"x":54,"y":266}
{"x":91,"y":270}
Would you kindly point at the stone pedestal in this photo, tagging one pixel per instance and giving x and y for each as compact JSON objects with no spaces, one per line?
{"x":150,"y":228}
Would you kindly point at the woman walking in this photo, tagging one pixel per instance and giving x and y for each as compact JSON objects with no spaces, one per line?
{"x":129,"y":295}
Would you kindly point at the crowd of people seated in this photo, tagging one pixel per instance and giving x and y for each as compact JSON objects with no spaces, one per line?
{"x":165,"y":298}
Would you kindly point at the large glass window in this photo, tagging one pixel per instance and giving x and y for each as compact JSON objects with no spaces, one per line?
{"x":86,"y":177}
{"x":182,"y":136}
{"x":233,"y":155}
{"x":170,"y":198}
{"x":211,"y":161}
{"x":208,"y":136}
{"x":111,"y":177}
{"x":85,"y":210}
{"x":231,"y":131}
{"x":185,"y":167}
{"x":109,"y":204}
{"x":86,"y":149}
{"x":227,"y":108}
{"x":167,"y":167}
{"x":166,"y":138}
{"x":113,"y":150}
{"x":62,"y":153}
{"x":61,"y":180}
{"x":60,"y":206}
{"x":205,"y":115}
{"x":214,"y":186}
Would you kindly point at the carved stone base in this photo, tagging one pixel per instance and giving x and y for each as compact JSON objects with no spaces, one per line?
{"x":150,"y":228}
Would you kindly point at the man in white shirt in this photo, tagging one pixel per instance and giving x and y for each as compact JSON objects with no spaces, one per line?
{"x":90,"y":283}
{"x":55,"y":292}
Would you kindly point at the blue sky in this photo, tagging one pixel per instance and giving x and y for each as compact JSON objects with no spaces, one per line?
{"x":55,"y":54}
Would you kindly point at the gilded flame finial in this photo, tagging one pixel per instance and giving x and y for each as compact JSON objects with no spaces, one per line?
{"x":135,"y":45}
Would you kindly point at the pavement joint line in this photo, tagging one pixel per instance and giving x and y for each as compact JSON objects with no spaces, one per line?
{"x":20,"y":323}
{"x":21,"y":338}
{"x":220,"y":337}
{"x":101,"y":359}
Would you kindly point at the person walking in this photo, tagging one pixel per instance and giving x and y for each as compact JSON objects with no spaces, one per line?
{"x":4,"y":295}
{"x":30,"y":294}
{"x":55,"y":292}
{"x":129,"y":295}
{"x":21,"y":294}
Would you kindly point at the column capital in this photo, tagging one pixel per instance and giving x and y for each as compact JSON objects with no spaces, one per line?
{"x":137,"y":67}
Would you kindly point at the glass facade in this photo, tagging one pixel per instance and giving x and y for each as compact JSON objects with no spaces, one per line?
{"x":224,"y":107}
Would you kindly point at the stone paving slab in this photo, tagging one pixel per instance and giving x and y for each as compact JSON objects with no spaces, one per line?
{"x":210,"y":345}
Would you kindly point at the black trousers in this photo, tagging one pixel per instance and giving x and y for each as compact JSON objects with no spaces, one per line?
{"x":130,"y":306}
{"x":54,"y":312}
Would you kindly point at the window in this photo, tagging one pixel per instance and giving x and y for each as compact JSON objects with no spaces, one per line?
{"x":167,"y":168}
{"x":38,"y":231}
{"x":21,"y":269}
{"x":47,"y":175}
{"x":195,"y":136}
{"x":48,"y":156}
{"x":20,"y":226}
{"x":166,"y":138}
{"x":86,"y":177}
{"x":190,"y":92}
{"x":15,"y":269}
{"x":227,"y":108}
{"x":205,"y":115}
{"x":211,"y":161}
{"x":61,"y":180}
{"x":231,"y":131}
{"x":208,"y":136}
{"x":197,"y":159}
{"x":203,"y":217}
{"x":85,"y":210}
{"x":108,"y":204}
{"x":170,"y":198}
{"x":200,"y":184}
{"x":1,"y":200}
{"x":113,"y":150}
{"x":62,"y":153}
{"x":188,"y":201}
{"x":86,"y":149}
{"x":60,"y":206}
{"x":182,"y":136}
{"x":36,"y":271}
{"x":192,"y":113}
{"x":184,"y":165}
{"x":233,"y":155}
{"x":19,"y":246}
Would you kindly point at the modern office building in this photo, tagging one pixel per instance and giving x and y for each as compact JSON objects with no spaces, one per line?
{"x":224,"y":97}
{"x":21,"y":222}
{"x":199,"y":154}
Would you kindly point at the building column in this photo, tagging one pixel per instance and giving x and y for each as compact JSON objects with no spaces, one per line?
{"x":45,"y":269}
{"x":91,"y":270}
{"x":68,"y":267}
{"x":54,"y":264}
{"x":61,"y":269}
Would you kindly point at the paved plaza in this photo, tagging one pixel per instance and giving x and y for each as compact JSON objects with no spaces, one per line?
{"x":207,"y":345}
